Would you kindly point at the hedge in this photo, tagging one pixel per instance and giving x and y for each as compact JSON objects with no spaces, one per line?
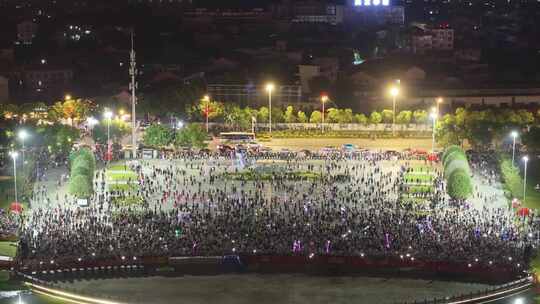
{"x":457,"y":173}
{"x":459,"y":185}
{"x":82,"y":164}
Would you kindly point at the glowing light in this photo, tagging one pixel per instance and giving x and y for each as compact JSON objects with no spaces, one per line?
{"x":394,"y":91}
{"x":269,"y":87}
{"x":68,"y":296}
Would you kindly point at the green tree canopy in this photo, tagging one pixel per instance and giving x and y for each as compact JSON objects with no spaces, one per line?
{"x":375,"y":117}
{"x":158,"y":135}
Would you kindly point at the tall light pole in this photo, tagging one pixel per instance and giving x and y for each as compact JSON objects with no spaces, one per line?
{"x":525,"y":160}
{"x":440,"y":100}
{"x":514,"y":136}
{"x":22,"y":136}
{"x":434,"y":118}
{"x":108,"y":115}
{"x":394,"y":92}
{"x":133,"y":87}
{"x":324,"y":99}
{"x":206,"y":99}
{"x":269,"y":89}
{"x":14,"y":155}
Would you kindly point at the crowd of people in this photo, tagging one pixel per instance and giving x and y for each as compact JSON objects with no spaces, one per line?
{"x":191,"y":207}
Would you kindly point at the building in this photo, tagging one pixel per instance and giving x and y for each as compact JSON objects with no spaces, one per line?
{"x":327,"y":67}
{"x":26,"y":32}
{"x":4,"y":89}
{"x":317,"y":12}
{"x":45,"y":80}
{"x":373,"y":13}
{"x":432,"y":39}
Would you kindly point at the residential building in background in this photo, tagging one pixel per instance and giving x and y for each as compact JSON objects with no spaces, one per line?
{"x":432,"y":39}
{"x":26,"y":32}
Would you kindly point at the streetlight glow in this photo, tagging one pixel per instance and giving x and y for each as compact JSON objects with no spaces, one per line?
{"x":23,"y":134}
{"x":525,"y":158}
{"x":269,"y":89}
{"x":108,"y":114}
{"x":514,"y":135}
{"x":14,"y":154}
{"x":67,"y":97}
{"x":394,"y":91}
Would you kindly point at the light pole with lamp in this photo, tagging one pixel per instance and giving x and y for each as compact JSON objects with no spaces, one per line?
{"x":269,"y":89}
{"x":438,"y":103}
{"x":525,"y":160}
{"x":434,"y":118}
{"x":14,"y":155}
{"x":108,"y":115}
{"x":206,"y":99}
{"x":514,"y":136}
{"x":22,"y":136}
{"x":394,"y":92}
{"x":324,"y":99}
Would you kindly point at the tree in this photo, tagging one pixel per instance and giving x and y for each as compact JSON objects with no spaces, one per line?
{"x":302,"y":118}
{"x":316,"y":117}
{"x":404,"y":117}
{"x":345,"y":116}
{"x":387,"y":116}
{"x":117,"y":130}
{"x":459,"y":185}
{"x":191,"y":135}
{"x":375,"y":117}
{"x":81,"y":181}
{"x":289,"y":116}
{"x":59,"y":138}
{"x":420,"y":116}
{"x":71,"y":111}
{"x":532,"y":138}
{"x":211,"y":108}
{"x":277,"y":115}
{"x":262,"y":115}
{"x":332,"y":115}
{"x":158,"y":135}
{"x":360,"y":118}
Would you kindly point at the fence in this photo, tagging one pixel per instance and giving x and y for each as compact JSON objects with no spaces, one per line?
{"x":253,"y":263}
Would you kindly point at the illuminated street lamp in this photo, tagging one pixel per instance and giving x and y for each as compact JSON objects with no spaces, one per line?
{"x":324,"y":99}
{"x":108,"y":115}
{"x":67,"y":97}
{"x":440,"y":100}
{"x":23,"y":135}
{"x":179,"y":124}
{"x":206,"y":100}
{"x":14,"y":155}
{"x":433,"y":116}
{"x":514,"y":135}
{"x":394,"y":92}
{"x":269,"y":89}
{"x":525,"y":160}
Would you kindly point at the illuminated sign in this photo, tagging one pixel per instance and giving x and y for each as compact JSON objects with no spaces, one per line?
{"x":371,"y":2}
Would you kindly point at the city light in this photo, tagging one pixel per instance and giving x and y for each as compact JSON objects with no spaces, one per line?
{"x":394,"y":91}
{"x":270,"y":87}
{"x":23,"y":135}
{"x":67,"y":97}
{"x":108,"y":114}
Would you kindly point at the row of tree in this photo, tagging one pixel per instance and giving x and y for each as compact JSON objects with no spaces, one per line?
{"x":242,"y":116}
{"x":484,"y":127}
{"x":159,"y":135}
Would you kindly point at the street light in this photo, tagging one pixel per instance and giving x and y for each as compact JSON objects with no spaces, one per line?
{"x":206,"y":99}
{"x":108,"y":115}
{"x":525,"y":160}
{"x":439,"y":101}
{"x":269,"y":89}
{"x":394,"y":92}
{"x":67,"y":97}
{"x":514,"y":136}
{"x":433,"y":116}
{"x":14,"y":155}
{"x":179,"y":124}
{"x":22,"y":136}
{"x":324,"y":99}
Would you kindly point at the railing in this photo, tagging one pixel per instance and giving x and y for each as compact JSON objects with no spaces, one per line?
{"x":487,"y":295}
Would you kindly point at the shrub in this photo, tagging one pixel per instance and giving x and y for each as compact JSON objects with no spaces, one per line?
{"x":459,"y":185}
{"x":80,"y":186}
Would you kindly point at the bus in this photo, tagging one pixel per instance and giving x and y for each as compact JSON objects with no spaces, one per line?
{"x":236,"y":137}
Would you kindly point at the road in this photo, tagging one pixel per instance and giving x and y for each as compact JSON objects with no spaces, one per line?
{"x":318,"y":143}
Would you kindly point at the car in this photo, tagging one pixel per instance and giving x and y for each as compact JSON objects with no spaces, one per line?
{"x":305,"y":152}
{"x":348,"y":147}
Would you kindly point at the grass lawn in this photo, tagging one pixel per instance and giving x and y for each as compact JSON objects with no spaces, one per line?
{"x":6,"y":193}
{"x":121,"y":176}
{"x":418,"y":177}
{"x":513,"y":181}
{"x":123,"y":187}
{"x":8,"y":248}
